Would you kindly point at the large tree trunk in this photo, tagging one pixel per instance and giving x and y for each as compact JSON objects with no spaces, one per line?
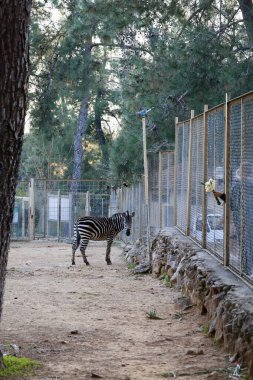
{"x":98,"y":125}
{"x":14,"y":16}
{"x":246,"y":7}
{"x":79,"y":134}
{"x":83,"y":116}
{"x":82,"y":124}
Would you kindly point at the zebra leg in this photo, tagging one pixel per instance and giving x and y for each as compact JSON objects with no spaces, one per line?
{"x":108,"y":251}
{"x":73,"y":254}
{"x":75,"y":244}
{"x":83,"y":246}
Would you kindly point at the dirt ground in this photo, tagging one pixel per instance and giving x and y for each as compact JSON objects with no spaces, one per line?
{"x":92,"y":322}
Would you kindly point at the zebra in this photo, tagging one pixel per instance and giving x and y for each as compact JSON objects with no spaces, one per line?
{"x":93,"y":228}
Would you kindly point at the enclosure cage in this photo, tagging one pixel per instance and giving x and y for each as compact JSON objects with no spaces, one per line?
{"x":49,"y":208}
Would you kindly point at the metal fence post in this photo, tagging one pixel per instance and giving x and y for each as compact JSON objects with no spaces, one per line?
{"x":45,"y":216}
{"x":59,"y":216}
{"x":70,"y":215}
{"x":188,"y":209}
{"x":120,"y":201}
{"x":175,"y":171}
{"x":204,"y":200}
{"x":23,"y":218}
{"x":32,"y":210}
{"x":87,"y":203}
{"x":227,"y":178}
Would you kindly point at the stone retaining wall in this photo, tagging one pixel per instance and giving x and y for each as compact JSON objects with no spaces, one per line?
{"x":225,"y":299}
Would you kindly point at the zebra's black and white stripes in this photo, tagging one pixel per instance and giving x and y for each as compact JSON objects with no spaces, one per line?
{"x":92,"y":228}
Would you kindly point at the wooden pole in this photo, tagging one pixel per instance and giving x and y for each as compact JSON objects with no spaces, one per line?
{"x":204,"y":200}
{"x":227,"y":180}
{"x":146,"y":185}
{"x":189,"y":179}
{"x":175,"y":171}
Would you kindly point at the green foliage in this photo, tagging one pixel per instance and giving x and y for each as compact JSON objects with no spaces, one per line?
{"x":126,"y":157}
{"x":131,"y":266}
{"x":169,"y":56}
{"x":206,"y":329}
{"x":17,"y":367}
{"x":152,"y":314}
{"x":167,"y":281}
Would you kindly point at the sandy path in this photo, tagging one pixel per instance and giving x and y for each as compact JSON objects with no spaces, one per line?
{"x":86,"y":321}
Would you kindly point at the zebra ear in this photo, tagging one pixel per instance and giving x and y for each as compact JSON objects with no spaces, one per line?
{"x":133,"y":213}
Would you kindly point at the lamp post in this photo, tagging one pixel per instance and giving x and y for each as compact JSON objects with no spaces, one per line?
{"x":143,"y":114}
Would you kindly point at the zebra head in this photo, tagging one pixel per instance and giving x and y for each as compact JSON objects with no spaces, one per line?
{"x":127,"y":220}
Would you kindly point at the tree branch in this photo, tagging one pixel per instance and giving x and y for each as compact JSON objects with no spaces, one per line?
{"x":199,"y":10}
{"x":123,"y":47}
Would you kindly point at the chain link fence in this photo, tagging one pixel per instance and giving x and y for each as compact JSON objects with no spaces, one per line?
{"x":161,"y":198}
{"x":241,"y":185}
{"x":215,"y":144}
{"x":196,"y":168}
{"x":218,"y":144}
{"x":182,"y":166}
{"x":49,"y":208}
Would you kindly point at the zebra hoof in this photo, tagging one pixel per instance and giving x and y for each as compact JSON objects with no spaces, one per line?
{"x":73,"y":263}
{"x":87,"y":263}
{"x":109,"y":262}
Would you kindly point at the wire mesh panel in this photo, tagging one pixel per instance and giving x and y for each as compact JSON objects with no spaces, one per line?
{"x":113,"y":203}
{"x":20,"y":229}
{"x":247,"y":186}
{"x":125,"y":199}
{"x":235,"y":184}
{"x":143,"y":211}
{"x":137,"y":207}
{"x":154,"y":193}
{"x":241,"y":181}
{"x":196,"y":178}
{"x":167,"y":189}
{"x":125,"y":204}
{"x":215,"y":170}
{"x":183,"y":133}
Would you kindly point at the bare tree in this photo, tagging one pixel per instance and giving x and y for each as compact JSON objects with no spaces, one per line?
{"x":14,"y":18}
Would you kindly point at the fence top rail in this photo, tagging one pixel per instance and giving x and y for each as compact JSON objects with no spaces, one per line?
{"x":70,"y":180}
{"x":167,"y":151}
{"x":182,"y":122}
{"x":248,"y":94}
{"x":210,"y":110}
{"x":164,"y":151}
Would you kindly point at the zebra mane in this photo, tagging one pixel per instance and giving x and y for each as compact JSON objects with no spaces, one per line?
{"x":119,"y":214}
